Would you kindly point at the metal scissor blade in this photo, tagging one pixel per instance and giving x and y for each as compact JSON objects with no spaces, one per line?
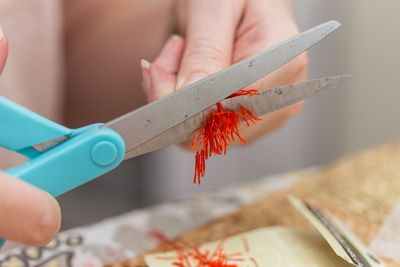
{"x":271,"y":100}
{"x":43,"y":147}
{"x":155,"y":118}
{"x":267,"y":101}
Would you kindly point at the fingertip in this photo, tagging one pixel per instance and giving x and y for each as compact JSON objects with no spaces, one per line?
{"x":3,"y":50}
{"x":171,"y":54}
{"x":174,"y":44}
{"x":48,"y":224}
{"x":162,"y":83}
{"x":27,"y":214}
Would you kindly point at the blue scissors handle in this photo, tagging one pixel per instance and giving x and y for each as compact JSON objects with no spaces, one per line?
{"x":88,"y":152}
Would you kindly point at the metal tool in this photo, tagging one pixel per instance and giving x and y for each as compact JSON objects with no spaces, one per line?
{"x":62,"y":159}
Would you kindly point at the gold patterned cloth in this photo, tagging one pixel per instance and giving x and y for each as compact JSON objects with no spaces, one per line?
{"x":360,"y":190}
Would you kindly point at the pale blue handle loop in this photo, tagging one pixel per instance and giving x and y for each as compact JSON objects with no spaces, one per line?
{"x":22,"y":128}
{"x":89,"y":153}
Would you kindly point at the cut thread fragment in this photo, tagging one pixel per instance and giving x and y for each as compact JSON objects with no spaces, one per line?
{"x":219,"y":131}
{"x":192,"y":256}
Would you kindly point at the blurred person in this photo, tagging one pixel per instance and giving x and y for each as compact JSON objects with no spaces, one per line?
{"x":103,"y":41}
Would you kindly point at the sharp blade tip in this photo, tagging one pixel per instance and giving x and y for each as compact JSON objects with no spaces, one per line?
{"x":333,"y":24}
{"x":345,"y":77}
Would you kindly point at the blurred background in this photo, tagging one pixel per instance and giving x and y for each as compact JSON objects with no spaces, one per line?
{"x":67,"y":50}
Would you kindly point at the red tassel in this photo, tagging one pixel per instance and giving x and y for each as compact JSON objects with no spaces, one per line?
{"x":220,"y":130}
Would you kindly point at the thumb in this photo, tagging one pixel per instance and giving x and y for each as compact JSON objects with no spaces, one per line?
{"x":27,"y":215}
{"x":210,"y":36}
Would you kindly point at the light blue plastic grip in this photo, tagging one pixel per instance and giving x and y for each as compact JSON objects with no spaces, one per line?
{"x":89,"y":153}
{"x":75,"y":162}
{"x":21,"y":128}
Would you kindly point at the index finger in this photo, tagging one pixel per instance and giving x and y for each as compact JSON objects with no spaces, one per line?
{"x":210,"y":32}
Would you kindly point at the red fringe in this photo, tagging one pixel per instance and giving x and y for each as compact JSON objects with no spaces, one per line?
{"x":187,"y":254}
{"x":219,"y":131}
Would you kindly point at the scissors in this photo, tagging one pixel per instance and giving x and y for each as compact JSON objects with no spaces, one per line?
{"x":61,"y":159}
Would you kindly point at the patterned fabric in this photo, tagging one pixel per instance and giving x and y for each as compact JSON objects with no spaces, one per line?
{"x":127,"y":236}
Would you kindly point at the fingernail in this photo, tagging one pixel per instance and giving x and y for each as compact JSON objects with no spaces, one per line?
{"x":1,"y":33}
{"x":179,"y":84}
{"x":146,"y":81}
{"x":145,"y":64}
{"x":175,"y":36}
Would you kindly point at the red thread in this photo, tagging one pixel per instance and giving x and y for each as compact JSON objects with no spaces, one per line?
{"x":219,"y":131}
{"x":188,"y":255}
{"x":243,"y":92}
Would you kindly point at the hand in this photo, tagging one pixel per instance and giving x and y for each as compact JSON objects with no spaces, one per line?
{"x":27,"y":215}
{"x":218,"y":33}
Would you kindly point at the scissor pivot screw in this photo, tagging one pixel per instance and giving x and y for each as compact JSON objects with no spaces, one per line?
{"x":104,"y":153}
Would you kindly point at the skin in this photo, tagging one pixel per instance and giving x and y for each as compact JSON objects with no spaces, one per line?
{"x":32,"y":216}
{"x":245,"y":27}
